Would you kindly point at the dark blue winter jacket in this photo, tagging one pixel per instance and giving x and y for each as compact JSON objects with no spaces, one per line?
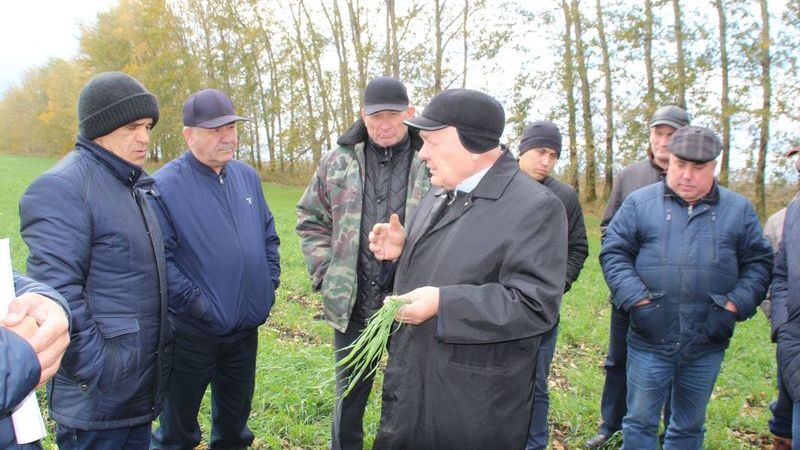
{"x":221,"y":246}
{"x":786,"y":302}
{"x":93,"y":237}
{"x":689,"y":261}
{"x":19,"y":366}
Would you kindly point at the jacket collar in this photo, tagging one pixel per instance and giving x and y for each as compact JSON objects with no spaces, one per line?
{"x":494,"y":182}
{"x":202,"y":168}
{"x":124,"y":171}
{"x":712,"y":198}
{"x":497,"y":178}
{"x":357,"y":133}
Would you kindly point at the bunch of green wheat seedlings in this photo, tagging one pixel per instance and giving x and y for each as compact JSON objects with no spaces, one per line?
{"x":365,"y":353}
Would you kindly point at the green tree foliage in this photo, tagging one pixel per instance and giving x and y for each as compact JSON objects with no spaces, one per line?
{"x":298,"y":68}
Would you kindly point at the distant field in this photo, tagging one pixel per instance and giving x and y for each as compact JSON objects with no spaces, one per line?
{"x":294,"y":390}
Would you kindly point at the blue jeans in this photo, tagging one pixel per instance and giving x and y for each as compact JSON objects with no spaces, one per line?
{"x":796,"y":426}
{"x":649,"y":378}
{"x":229,"y":365}
{"x":135,"y":438}
{"x":538,"y":430}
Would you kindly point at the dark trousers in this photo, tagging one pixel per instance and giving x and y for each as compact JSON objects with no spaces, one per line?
{"x":781,"y":422}
{"x":538,"y":431}
{"x":135,"y":438}
{"x":613,"y":406}
{"x":228,"y":364}
{"x":347,"y":431}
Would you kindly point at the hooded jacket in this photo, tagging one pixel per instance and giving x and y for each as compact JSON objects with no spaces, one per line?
{"x":329,"y":219}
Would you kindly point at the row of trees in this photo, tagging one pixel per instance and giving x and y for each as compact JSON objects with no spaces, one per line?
{"x":297,"y":69}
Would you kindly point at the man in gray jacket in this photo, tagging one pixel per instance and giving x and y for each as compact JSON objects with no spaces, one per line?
{"x":665,"y":121}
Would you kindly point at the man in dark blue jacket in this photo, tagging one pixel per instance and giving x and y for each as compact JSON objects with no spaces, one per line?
{"x":93,"y":238}
{"x":786,"y":322}
{"x":223,"y":268}
{"x":33,"y":337}
{"x":686,"y":258}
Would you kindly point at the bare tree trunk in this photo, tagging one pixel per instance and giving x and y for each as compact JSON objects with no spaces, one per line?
{"x":650,"y":96}
{"x":392,"y":46}
{"x":345,"y":113}
{"x":439,"y":50}
{"x":676,"y":6}
{"x":361,"y":44}
{"x":569,"y":88}
{"x":725,"y":115}
{"x":766,"y":85}
{"x":609,"y":106}
{"x":466,"y":45}
{"x":588,"y":131}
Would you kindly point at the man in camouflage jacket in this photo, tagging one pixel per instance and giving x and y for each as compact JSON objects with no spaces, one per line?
{"x":375,"y":172}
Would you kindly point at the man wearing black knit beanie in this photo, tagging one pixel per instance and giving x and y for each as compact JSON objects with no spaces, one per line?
{"x":93,"y":237}
{"x":539,"y":150}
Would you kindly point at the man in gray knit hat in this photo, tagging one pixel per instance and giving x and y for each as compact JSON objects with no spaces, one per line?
{"x":93,"y":237}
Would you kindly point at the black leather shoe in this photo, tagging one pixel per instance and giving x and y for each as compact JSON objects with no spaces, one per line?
{"x":596,"y":441}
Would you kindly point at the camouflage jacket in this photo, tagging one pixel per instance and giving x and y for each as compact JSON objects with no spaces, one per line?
{"x":329,"y":219}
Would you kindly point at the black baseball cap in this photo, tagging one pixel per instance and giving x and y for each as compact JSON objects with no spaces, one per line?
{"x":209,"y":108}
{"x":385,"y":94}
{"x":696,"y":144}
{"x":478,"y":117}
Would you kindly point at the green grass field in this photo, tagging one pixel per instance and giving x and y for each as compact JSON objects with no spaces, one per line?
{"x":294,"y":390}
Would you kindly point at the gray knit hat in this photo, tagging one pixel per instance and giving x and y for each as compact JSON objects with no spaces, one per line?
{"x":541,"y":134}
{"x":113,"y":99}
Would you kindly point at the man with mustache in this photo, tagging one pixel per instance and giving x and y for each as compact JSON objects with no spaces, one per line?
{"x":223,"y":268}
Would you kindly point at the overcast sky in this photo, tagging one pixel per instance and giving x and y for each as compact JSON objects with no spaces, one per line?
{"x":33,"y":31}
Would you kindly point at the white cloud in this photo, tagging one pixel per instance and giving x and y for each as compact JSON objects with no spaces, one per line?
{"x":33,"y":31}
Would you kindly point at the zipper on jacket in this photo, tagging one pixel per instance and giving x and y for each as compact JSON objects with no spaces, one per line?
{"x":714,"y":234}
{"x":690,"y":209}
{"x":666,"y":234}
{"x":221,"y":180}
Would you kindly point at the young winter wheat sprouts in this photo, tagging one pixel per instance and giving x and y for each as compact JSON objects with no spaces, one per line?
{"x":365,"y":353}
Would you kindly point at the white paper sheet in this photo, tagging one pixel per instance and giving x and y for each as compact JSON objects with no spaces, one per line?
{"x":27,"y":418}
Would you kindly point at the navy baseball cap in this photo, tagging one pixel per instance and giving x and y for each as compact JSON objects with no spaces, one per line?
{"x":209,"y":108}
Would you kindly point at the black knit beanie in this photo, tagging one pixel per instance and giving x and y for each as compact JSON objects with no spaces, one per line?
{"x":541,"y":134}
{"x":113,"y":99}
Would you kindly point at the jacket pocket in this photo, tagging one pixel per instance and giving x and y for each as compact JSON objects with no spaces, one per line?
{"x":720,"y":324}
{"x":648,"y":320}
{"x":121,"y":351}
